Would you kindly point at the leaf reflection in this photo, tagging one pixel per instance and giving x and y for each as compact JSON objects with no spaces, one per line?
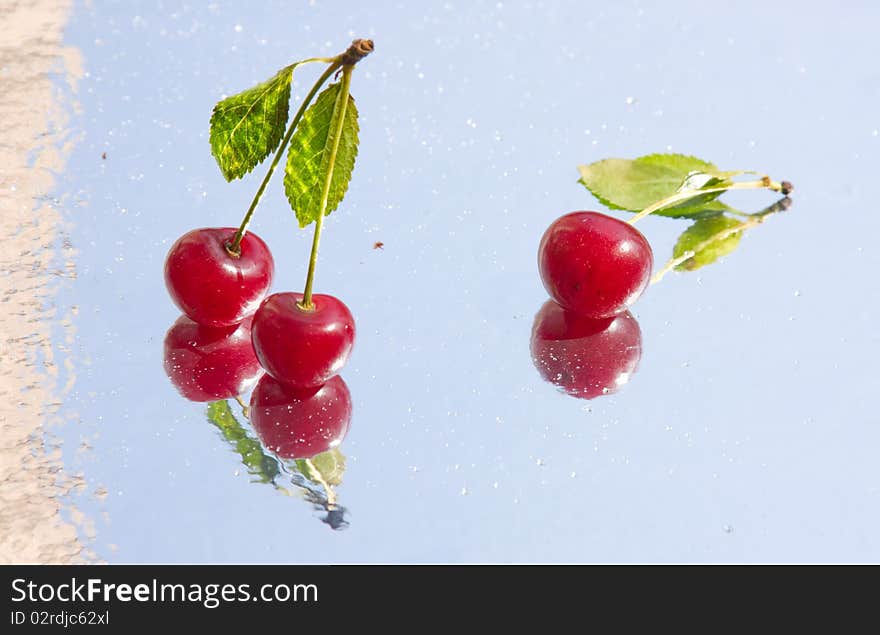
{"x":710,"y":238}
{"x":312,"y":479}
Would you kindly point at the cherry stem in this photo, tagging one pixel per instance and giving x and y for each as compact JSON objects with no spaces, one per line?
{"x":234,"y":247}
{"x":245,"y":409}
{"x":319,"y":478}
{"x":339,"y":109}
{"x":764,"y":183}
{"x":753,"y":221}
{"x":358,"y":50}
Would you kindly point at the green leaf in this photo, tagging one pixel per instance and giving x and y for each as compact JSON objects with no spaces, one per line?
{"x":257,"y":462}
{"x":308,"y":161}
{"x":634,"y":184}
{"x":247,"y":127}
{"x":330,"y":466}
{"x":709,"y":239}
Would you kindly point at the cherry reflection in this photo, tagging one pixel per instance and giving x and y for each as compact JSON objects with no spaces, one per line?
{"x":305,"y":428}
{"x":208,"y":363}
{"x":298,"y":424}
{"x":586,"y":358}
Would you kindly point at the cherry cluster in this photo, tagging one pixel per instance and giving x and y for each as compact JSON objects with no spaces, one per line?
{"x":233,"y":336}
{"x":594,"y":267}
{"x":288,"y":347}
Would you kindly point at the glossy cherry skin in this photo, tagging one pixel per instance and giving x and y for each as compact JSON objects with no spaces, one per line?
{"x":297,"y":423}
{"x":303,"y":348}
{"x":213,"y":287}
{"x":594,"y":264}
{"x":207,"y":363}
{"x":584,"y":357}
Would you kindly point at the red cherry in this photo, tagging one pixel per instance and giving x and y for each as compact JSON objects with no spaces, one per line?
{"x":297,"y":423}
{"x":585,"y":357}
{"x":299,"y":347}
{"x":594,"y":264}
{"x":206,"y":363}
{"x":210,"y":285}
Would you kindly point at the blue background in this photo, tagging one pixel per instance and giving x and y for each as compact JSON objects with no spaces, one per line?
{"x":750,"y":431}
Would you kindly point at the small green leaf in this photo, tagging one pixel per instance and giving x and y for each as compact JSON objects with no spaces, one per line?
{"x":247,"y":127}
{"x":308,"y":161}
{"x":330,"y":466}
{"x":258,"y":463}
{"x":634,"y":184}
{"x":709,"y":239}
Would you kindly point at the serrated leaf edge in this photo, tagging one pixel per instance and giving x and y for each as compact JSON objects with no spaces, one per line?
{"x":351,"y":141}
{"x":648,"y":157}
{"x":260,"y":158}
